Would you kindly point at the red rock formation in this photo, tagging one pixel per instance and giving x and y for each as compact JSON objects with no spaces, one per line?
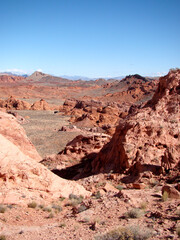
{"x":10,"y":79}
{"x":12,"y":103}
{"x":80,"y":147}
{"x":41,"y":105}
{"x":95,"y":113}
{"x":141,"y":141}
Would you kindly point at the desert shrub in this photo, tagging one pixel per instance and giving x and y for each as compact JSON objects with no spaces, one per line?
{"x":82,"y":208}
{"x":153,"y":182}
{"x":32,"y":205}
{"x":119,"y":187}
{"x":74,"y":200}
{"x":57,"y":208}
{"x":140,"y":233}
{"x":61,"y":199}
{"x":178,"y":230}
{"x":62,"y":225}
{"x":116,"y":234}
{"x":134,"y":213}
{"x":98,"y":195}
{"x":73,"y":196}
{"x":2,"y":209}
{"x":47,"y":209}
{"x":2,"y":237}
{"x":178,"y":212}
{"x":164,"y":196}
{"x":41,"y":206}
{"x":143,"y":205}
{"x":128,"y":233}
{"x":51,"y":215}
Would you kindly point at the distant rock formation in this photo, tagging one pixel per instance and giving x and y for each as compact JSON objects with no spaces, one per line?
{"x":5,"y":78}
{"x":12,"y":103}
{"x":95,"y":113}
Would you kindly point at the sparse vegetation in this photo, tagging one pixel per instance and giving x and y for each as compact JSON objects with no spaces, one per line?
{"x":2,"y":209}
{"x":164,"y":196}
{"x":2,"y":237}
{"x":178,"y":230}
{"x":134,"y":213}
{"x":74,"y":200}
{"x":62,"y":199}
{"x":51,"y":215}
{"x":153,"y":182}
{"x":143,"y":205}
{"x":98,"y":195}
{"x":82,"y":208}
{"x":178,"y":212}
{"x":47,"y":209}
{"x":128,"y":233}
{"x":62,"y":225}
{"x":57,"y":208}
{"x":119,"y":187}
{"x":32,"y":205}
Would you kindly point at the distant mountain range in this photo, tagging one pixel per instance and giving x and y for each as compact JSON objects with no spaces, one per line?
{"x":14,"y":74}
{"x":74,"y":78}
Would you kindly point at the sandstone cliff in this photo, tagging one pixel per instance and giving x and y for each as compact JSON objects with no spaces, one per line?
{"x":149,"y":138}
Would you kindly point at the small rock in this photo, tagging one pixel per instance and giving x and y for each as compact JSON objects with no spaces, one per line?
{"x":139,"y":185}
{"x":109,"y":188}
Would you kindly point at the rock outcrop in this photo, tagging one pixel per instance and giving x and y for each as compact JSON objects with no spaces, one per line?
{"x":12,"y":103}
{"x":77,"y":149}
{"x":148,"y":140}
{"x":22,"y":178}
{"x":10,"y":129}
{"x":95,"y":114}
{"x":41,"y":105}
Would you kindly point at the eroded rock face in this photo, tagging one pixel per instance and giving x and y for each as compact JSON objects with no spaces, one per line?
{"x":77,"y":149}
{"x":22,"y":178}
{"x":10,"y":129}
{"x":149,"y":136}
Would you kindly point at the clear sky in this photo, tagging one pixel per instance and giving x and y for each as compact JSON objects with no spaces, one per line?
{"x":93,"y":38}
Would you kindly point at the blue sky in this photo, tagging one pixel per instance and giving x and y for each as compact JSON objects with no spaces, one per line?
{"x":93,"y":38}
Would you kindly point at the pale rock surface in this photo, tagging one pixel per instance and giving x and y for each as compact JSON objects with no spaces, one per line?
{"x":10,"y":129}
{"x":22,"y":178}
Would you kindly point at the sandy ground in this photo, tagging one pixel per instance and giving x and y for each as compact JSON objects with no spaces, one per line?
{"x":42,"y":128}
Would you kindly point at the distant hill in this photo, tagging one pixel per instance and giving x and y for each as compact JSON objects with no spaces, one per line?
{"x":13,"y":74}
